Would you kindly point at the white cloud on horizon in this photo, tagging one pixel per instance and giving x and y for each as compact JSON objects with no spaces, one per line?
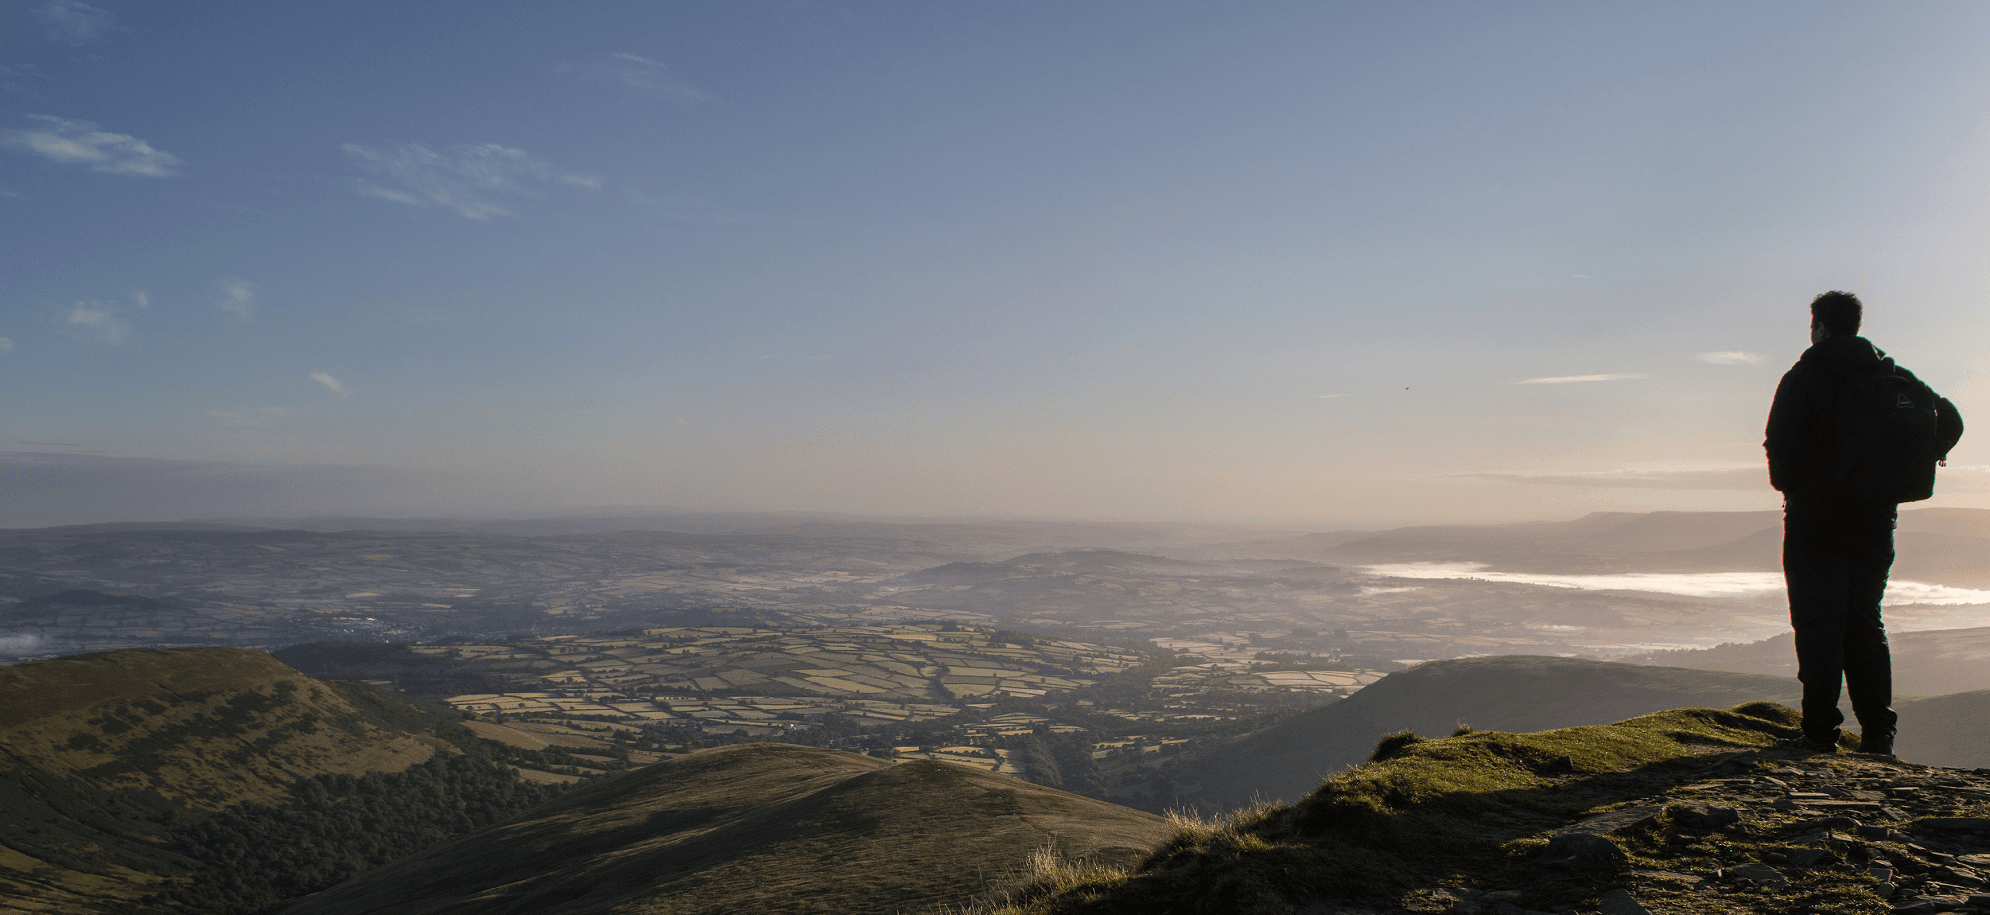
{"x":100,"y":320}
{"x":1575,"y":379}
{"x":68,"y":142}
{"x":637,"y":74}
{"x":74,"y":22}
{"x":1730,"y":357}
{"x":240,"y":298}
{"x":464,"y":180}
{"x":326,"y":379}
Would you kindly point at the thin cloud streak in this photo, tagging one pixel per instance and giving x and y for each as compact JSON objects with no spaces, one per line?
{"x":74,"y":22}
{"x":1576,"y":379}
{"x":465,"y":180}
{"x":326,"y":379}
{"x":637,"y":74}
{"x":1730,"y":357}
{"x":1728,"y":479}
{"x":68,"y":142}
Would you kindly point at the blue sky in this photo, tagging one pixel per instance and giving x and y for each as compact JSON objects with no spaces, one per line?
{"x":1315,"y":263}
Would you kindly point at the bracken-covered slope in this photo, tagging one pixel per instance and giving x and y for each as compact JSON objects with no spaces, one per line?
{"x":753,"y":828}
{"x":101,"y":753}
{"x":1683,"y":812}
{"x":1513,"y":693}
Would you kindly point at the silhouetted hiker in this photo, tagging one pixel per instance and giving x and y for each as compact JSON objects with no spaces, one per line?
{"x":1851,"y":435}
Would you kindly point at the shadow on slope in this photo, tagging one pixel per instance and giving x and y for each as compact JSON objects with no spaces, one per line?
{"x":1509,"y":693}
{"x":755,"y":827}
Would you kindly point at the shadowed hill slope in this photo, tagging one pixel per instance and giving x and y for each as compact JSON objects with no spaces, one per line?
{"x":1511,"y":693}
{"x":753,"y":828}
{"x":100,"y":754}
{"x":1933,"y":662}
{"x":1945,"y":730}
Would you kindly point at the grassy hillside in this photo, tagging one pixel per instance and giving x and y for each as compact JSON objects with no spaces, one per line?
{"x":753,"y":828}
{"x":1464,"y":824}
{"x":1513,"y":693}
{"x":104,"y":756}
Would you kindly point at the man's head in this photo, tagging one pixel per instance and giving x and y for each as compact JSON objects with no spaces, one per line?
{"x":1835,"y":314}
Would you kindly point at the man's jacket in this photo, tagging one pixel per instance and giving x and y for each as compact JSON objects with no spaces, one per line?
{"x":1804,"y":418}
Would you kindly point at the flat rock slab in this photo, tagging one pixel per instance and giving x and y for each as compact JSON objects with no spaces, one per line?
{"x":1579,"y":849}
{"x":1621,"y":902}
{"x":1757,"y":873}
{"x":1615,"y":821}
{"x":1963,"y":824}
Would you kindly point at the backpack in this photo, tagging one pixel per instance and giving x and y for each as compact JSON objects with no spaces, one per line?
{"x":1889,"y":436}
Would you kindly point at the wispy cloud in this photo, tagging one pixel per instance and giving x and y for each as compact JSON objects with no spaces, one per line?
{"x":1726,"y":478}
{"x":466,"y":179}
{"x":1329,"y":396}
{"x":637,"y":74}
{"x":140,"y":298}
{"x":326,"y":379}
{"x":239,"y":298}
{"x":81,"y":143}
{"x":8,"y":192}
{"x":6,"y":345}
{"x":1575,"y":379}
{"x":260,"y":416}
{"x":101,"y":320}
{"x":1730,"y":357}
{"x":73,"y":22}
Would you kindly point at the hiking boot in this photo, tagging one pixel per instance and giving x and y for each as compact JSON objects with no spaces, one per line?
{"x":1806,"y":744}
{"x":1878,"y":744}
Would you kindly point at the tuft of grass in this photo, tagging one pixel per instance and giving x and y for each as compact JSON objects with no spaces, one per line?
{"x":1393,"y":744}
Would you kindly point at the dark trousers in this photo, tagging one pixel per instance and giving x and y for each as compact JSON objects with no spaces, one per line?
{"x":1835,"y":560}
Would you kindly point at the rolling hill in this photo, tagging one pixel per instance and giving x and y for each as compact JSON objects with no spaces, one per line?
{"x":106,"y":758}
{"x":754,"y":828}
{"x":1511,"y":693}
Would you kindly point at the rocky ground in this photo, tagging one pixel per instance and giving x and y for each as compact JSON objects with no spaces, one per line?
{"x":1765,"y":831}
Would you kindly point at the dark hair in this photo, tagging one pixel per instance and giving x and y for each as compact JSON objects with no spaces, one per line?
{"x":1839,"y":312}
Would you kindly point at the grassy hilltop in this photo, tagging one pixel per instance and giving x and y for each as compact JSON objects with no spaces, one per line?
{"x":1683,"y":812}
{"x":1511,"y":693}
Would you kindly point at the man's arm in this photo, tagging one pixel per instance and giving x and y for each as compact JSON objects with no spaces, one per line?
{"x":1789,"y":431}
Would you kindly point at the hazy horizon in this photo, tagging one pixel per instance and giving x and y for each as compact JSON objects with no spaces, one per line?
{"x":1325,"y":265}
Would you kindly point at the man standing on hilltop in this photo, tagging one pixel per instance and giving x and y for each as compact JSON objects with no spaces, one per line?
{"x":1851,"y":435}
